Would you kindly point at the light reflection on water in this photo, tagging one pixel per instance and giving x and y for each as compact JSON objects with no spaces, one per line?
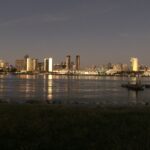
{"x":48,"y":81}
{"x":70,"y":89}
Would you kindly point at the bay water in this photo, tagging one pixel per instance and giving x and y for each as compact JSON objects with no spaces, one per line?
{"x":62,"y":89}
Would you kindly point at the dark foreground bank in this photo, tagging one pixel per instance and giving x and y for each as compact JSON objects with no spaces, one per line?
{"x":46,"y":127}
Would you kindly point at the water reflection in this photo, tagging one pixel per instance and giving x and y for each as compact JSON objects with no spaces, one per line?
{"x":1,"y":86}
{"x":49,"y":93}
{"x":27,"y":86}
{"x":133,"y":80}
{"x":48,"y":87}
{"x":71,"y":89}
{"x":27,"y":76}
{"x":132,"y":97}
{"x":29,"y":89}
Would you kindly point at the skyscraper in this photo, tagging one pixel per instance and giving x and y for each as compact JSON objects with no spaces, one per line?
{"x":77,"y":62}
{"x":134,"y":64}
{"x":68,"y":62}
{"x":25,"y":61}
{"x":20,"y":64}
{"x":48,"y":64}
{"x":35,"y":64}
{"x":29,"y":64}
{"x":2,"y":64}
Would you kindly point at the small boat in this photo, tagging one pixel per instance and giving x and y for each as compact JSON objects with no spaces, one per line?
{"x":134,"y":87}
{"x":134,"y":84}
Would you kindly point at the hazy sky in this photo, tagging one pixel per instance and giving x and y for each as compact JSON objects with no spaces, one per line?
{"x":100,"y":31}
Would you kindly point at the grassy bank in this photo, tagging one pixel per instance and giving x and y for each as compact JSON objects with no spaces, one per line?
{"x":46,"y":127}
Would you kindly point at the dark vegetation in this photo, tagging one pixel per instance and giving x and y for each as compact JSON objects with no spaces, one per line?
{"x":50,"y":127}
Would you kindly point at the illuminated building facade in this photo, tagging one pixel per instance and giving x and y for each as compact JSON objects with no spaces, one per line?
{"x":29,"y":64}
{"x":2,"y":64}
{"x":134,"y":64}
{"x":25,"y":61}
{"x":48,"y":64}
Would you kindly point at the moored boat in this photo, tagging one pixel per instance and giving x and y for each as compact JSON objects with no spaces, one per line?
{"x":135,"y":87}
{"x":134,"y":84}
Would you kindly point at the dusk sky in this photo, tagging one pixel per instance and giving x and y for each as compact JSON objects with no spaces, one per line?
{"x":100,"y":31}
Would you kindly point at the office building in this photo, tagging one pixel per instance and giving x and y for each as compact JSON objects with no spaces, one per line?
{"x":35,"y":64}
{"x":2,"y":64}
{"x":25,"y":61}
{"x":77,"y":62}
{"x":48,"y":64}
{"x":68,"y":62}
{"x":134,"y":64}
{"x":125,"y":67}
{"x":40,"y":67}
{"x":29,"y":64}
{"x":20,"y":64}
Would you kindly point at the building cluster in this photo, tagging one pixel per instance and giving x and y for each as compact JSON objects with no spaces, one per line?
{"x":68,"y":64}
{"x":29,"y":64}
{"x":3,"y":64}
{"x":119,"y":69}
{"x":32,"y":65}
{"x":112,"y":69}
{"x":6,"y":67}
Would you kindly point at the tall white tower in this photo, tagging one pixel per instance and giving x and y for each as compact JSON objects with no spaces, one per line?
{"x":29,"y":64}
{"x":134,"y":64}
{"x":48,"y":64}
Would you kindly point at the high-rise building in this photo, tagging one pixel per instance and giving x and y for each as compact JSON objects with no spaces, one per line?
{"x":134,"y":64}
{"x":40,"y":66}
{"x":77,"y":62}
{"x":35,"y":64}
{"x":125,"y":67}
{"x":29,"y":64}
{"x":48,"y":64}
{"x":19,"y":64}
{"x":2,"y":64}
{"x":68,"y":62}
{"x":25,"y":61}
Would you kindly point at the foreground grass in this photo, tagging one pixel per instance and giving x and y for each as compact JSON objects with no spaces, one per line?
{"x":46,"y":127}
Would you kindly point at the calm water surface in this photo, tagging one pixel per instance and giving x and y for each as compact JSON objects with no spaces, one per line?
{"x":70,"y":90}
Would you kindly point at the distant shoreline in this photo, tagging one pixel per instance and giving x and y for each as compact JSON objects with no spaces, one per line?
{"x":70,"y":74}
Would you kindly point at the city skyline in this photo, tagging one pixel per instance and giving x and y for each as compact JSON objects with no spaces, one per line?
{"x":72,"y":59}
{"x":99,"y":31}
